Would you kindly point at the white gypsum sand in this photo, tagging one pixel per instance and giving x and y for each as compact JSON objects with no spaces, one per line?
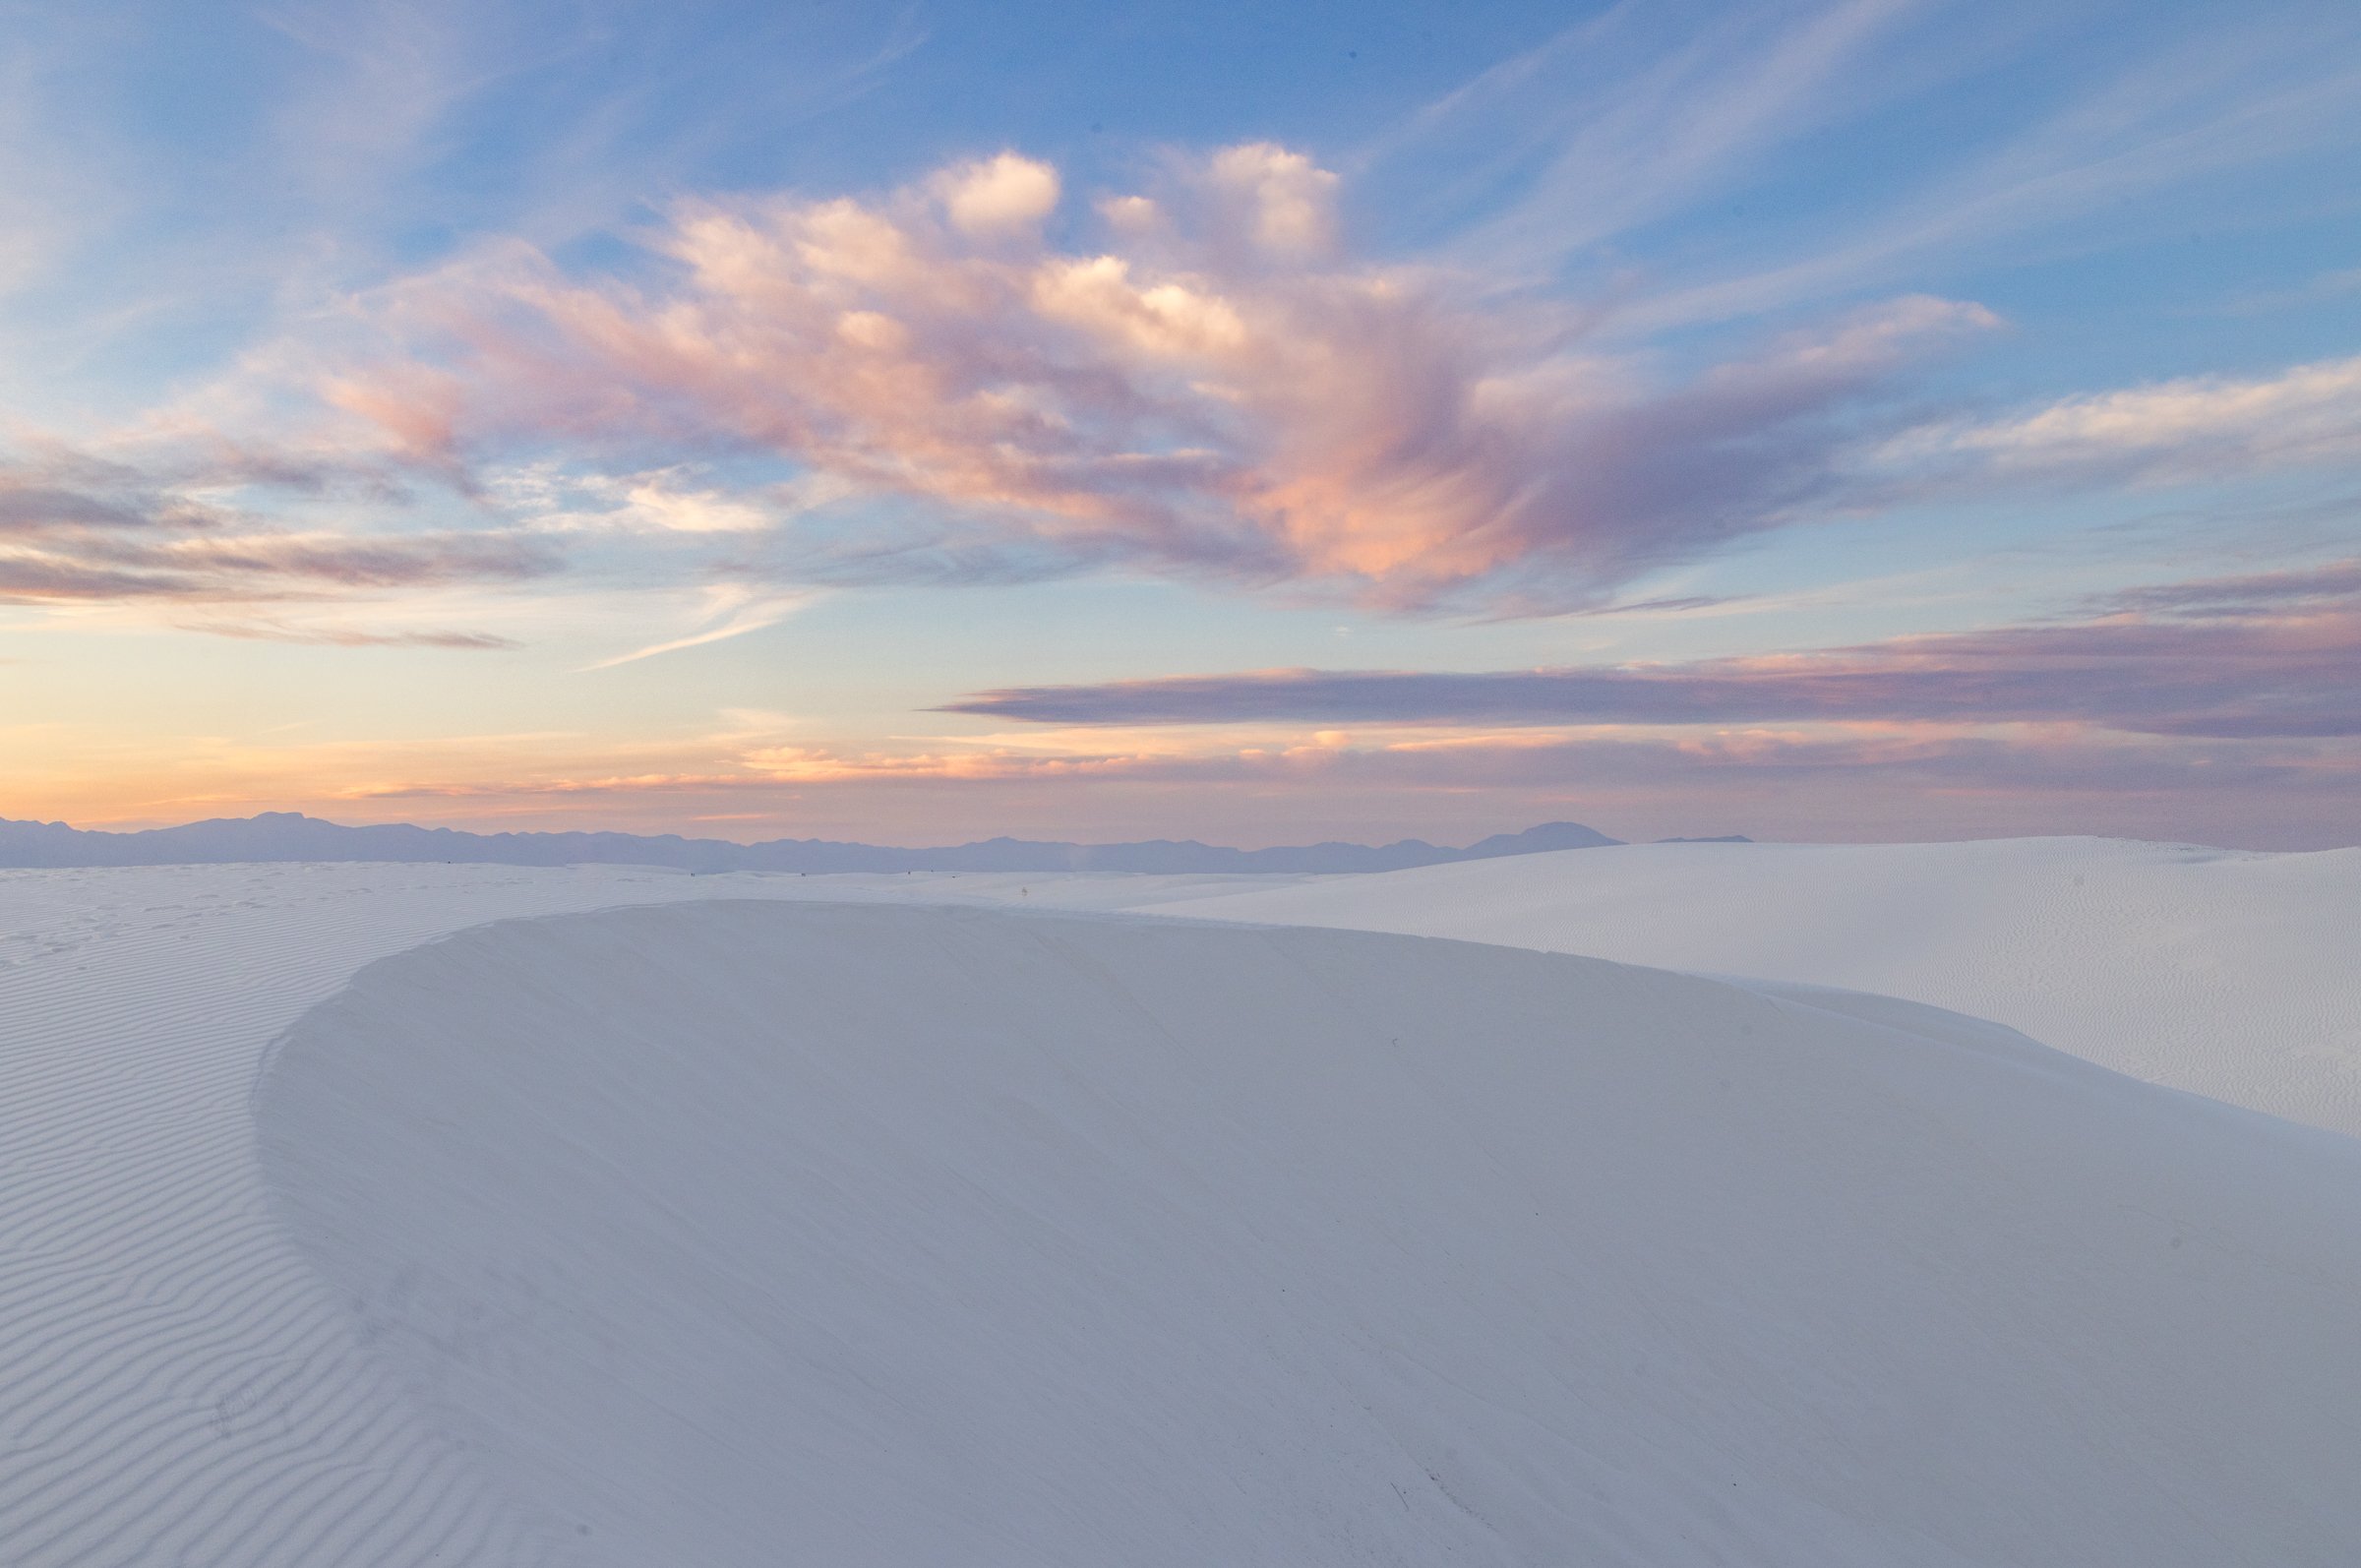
{"x":737,"y":1234}
{"x":178,"y":1388}
{"x":2233,"y":974}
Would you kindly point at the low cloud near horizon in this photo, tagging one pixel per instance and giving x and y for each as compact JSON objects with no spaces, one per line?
{"x":2270,"y":655}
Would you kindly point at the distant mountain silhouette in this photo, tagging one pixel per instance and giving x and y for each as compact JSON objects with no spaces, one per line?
{"x":293,"y":837}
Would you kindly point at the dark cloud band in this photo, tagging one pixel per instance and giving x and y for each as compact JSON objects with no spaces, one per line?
{"x":2244,"y":657}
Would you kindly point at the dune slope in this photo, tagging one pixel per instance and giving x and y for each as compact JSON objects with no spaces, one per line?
{"x":177,"y":1388}
{"x":738,"y":1234}
{"x":2230,"y":974}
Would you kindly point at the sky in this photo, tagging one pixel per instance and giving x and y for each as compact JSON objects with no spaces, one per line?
{"x":1872,"y":420}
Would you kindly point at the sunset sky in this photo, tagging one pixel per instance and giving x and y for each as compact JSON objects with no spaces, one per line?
{"x":1866,"y":420}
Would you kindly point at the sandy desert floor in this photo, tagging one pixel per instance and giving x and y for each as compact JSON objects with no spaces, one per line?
{"x":419,"y":1214}
{"x":2233,"y":974}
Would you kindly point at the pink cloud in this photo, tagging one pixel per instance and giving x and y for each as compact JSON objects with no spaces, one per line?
{"x":1209,"y":386}
{"x":1854,"y":782}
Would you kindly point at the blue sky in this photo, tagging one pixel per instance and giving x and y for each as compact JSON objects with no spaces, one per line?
{"x":1873,"y":420}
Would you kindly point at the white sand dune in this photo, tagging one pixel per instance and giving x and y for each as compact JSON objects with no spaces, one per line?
{"x":2231,"y":974}
{"x":1058,"y":1240}
{"x":739,"y":1234}
{"x":178,"y":1388}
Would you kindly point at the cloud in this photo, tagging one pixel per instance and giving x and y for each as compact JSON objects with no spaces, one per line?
{"x":730,"y":611}
{"x":2185,"y":113}
{"x":74,"y":528}
{"x":1857,"y":783}
{"x":1843,"y":782}
{"x":348,"y":637}
{"x":1211,"y":390}
{"x":2320,"y":286}
{"x":2193,"y":429}
{"x":1288,"y":201}
{"x":1671,"y":606}
{"x":1629,"y":115}
{"x":998,"y":195}
{"x":2336,"y":582}
{"x":993,"y":375}
{"x":969,"y":380}
{"x":2268,"y":656}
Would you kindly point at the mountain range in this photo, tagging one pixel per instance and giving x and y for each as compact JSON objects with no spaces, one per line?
{"x":293,"y":837}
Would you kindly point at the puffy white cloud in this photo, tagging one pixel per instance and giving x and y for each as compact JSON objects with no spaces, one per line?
{"x":1290,"y":201}
{"x":999,"y":194}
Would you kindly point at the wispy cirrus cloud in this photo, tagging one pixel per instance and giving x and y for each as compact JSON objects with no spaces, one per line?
{"x":2260,"y":656}
{"x":1628,"y":116}
{"x":351,"y":636}
{"x":79,"y":529}
{"x":731,"y":610}
{"x":2288,"y":591}
{"x":2191,"y":429}
{"x":2321,"y":286}
{"x":2174,"y":110}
